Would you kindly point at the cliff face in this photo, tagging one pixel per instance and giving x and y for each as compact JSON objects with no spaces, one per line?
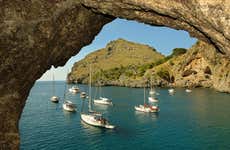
{"x":109,"y":63}
{"x":201,"y":66}
{"x":34,"y":35}
{"x":37,"y":34}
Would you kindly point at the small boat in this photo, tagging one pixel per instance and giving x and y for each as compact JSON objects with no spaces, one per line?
{"x":152,"y":92}
{"x":94,"y":118}
{"x":152,"y":99}
{"x":171,"y":91}
{"x":83,"y":95}
{"x":103,"y":100}
{"x":69,"y":106}
{"x":74,"y":89}
{"x":54,"y":99}
{"x":188,"y":90}
{"x":147,"y":108}
{"x":152,"y":89}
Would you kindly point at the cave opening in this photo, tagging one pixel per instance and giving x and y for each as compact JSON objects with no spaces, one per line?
{"x":32,"y":131}
{"x":35,"y":35}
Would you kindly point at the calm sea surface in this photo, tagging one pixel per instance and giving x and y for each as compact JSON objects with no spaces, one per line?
{"x":197,"y":120}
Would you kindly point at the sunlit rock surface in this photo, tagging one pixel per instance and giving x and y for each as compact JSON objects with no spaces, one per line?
{"x":36,"y":34}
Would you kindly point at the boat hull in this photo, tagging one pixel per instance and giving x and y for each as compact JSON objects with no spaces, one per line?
{"x":98,"y":101}
{"x":151,"y":99}
{"x":90,"y":119}
{"x":54,"y":99}
{"x":67,"y":108}
{"x":188,"y":91}
{"x":73,"y":91}
{"x":146,"y":109}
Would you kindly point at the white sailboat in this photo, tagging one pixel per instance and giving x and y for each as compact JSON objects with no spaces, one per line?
{"x":94,"y":118}
{"x":153,"y":99}
{"x":147,"y":108}
{"x":188,"y":90}
{"x":74,"y":89}
{"x":83,"y":95}
{"x":102,"y":100}
{"x":68,"y":105}
{"x":171,"y":91}
{"x":54,"y":99}
{"x":152,"y":93}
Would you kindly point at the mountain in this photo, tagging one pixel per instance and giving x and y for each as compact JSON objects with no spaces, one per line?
{"x":200,"y":66}
{"x":124,"y":63}
{"x":112,"y":61}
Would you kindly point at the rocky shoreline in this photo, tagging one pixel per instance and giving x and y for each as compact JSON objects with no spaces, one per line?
{"x":200,"y":66}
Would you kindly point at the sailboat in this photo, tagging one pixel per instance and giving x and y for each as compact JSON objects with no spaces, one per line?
{"x":74,"y":89}
{"x":83,"y":95}
{"x":152,"y":93}
{"x":102,"y":100}
{"x":68,"y":105}
{"x":171,"y":90}
{"x":92,"y":117}
{"x":147,"y":108}
{"x":54,"y":98}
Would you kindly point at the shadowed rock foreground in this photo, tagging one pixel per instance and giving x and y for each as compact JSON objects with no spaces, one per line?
{"x":37,"y":34}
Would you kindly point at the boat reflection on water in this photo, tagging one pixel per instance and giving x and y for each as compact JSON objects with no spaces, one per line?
{"x":103,"y":108}
{"x":145,"y":117}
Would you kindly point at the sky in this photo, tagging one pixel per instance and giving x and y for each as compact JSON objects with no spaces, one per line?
{"x":163,"y":39}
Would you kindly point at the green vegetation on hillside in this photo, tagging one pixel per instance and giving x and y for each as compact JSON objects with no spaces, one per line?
{"x":118,"y":58}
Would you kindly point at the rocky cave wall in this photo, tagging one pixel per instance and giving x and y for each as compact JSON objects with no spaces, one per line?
{"x":36,"y":34}
{"x":33,"y":36}
{"x":208,"y":20}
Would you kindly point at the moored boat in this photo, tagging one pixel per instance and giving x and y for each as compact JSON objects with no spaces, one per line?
{"x":146,"y":107}
{"x":74,"y":89}
{"x":103,"y":100}
{"x":54,"y":99}
{"x":69,"y":106}
{"x":171,"y":91}
{"x":188,"y":90}
{"x":94,"y":118}
{"x":83,"y":95}
{"x":152,"y":99}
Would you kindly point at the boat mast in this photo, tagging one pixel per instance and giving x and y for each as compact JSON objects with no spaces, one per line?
{"x":144,"y":95}
{"x":53,"y":86}
{"x":90,"y":109}
{"x":150,"y":83}
{"x":64,"y":98}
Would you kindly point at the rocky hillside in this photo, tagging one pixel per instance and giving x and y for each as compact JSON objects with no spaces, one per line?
{"x":124,"y":63}
{"x":109,"y":63}
{"x":200,"y":66}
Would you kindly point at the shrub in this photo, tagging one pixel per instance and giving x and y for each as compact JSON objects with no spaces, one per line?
{"x":178,"y":51}
{"x":188,"y":73}
{"x":164,"y":74}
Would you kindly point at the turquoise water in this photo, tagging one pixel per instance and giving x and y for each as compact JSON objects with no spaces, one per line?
{"x":197,"y":120}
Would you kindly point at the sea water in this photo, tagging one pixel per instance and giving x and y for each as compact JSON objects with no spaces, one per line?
{"x":196,"y":120}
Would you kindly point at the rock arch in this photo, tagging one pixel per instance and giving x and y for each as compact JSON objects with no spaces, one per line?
{"x":36,"y":34}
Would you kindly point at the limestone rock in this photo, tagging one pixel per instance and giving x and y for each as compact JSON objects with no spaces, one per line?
{"x":37,"y":34}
